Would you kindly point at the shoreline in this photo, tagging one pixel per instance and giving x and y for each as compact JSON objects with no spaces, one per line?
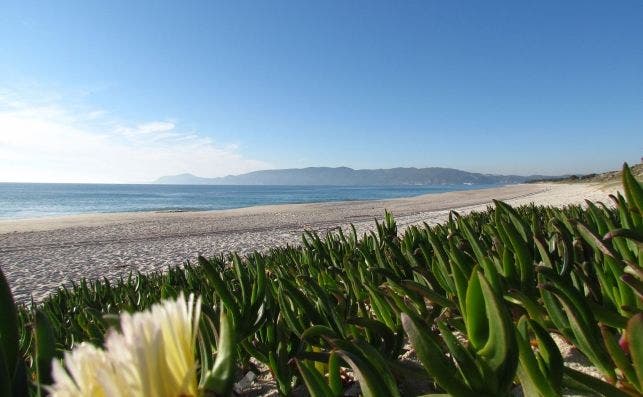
{"x":5,"y":223}
{"x":229,"y":200}
{"x":39,"y":255}
{"x":52,"y":222}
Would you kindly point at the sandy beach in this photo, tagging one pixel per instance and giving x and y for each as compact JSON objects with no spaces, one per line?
{"x":38,"y":255}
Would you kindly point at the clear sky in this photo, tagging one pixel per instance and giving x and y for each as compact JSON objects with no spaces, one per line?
{"x":126,"y":91}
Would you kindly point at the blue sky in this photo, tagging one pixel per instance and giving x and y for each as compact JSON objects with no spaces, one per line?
{"x":120,"y":91}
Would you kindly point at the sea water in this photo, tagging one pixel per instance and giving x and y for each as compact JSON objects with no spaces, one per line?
{"x":35,"y":200}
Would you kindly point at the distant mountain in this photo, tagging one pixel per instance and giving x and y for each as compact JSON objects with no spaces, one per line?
{"x":344,"y":176}
{"x":604,"y":177}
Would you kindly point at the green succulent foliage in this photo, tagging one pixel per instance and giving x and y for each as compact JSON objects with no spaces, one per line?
{"x":477,"y":297}
{"x":540,"y":370}
{"x":315,"y":382}
{"x":45,"y":350}
{"x":13,"y":376}
{"x":487,"y":366}
{"x":370,"y":368}
{"x":582,"y":327}
{"x":635,"y":370}
{"x":220,"y":377}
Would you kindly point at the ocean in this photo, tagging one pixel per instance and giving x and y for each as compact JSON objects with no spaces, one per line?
{"x":36,"y":200}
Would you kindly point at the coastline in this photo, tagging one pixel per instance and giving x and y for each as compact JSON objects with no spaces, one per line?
{"x":25,"y":201}
{"x":38,"y":255}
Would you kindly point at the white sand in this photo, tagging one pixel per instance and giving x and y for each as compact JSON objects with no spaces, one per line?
{"x":38,"y":255}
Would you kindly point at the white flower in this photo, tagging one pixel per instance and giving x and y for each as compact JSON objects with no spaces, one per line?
{"x":89,"y":372}
{"x":153,"y":355}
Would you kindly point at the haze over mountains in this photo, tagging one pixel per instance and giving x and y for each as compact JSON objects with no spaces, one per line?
{"x":344,"y":176}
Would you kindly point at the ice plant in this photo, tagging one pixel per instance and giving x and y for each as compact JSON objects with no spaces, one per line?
{"x":88,"y":371}
{"x":152,"y":355}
